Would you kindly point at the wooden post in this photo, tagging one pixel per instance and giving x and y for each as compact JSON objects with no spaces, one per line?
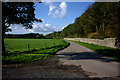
{"x":45,"y":45}
{"x":28,"y":46}
{"x":63,"y":43}
{"x":54,"y":44}
{"x":6,"y":48}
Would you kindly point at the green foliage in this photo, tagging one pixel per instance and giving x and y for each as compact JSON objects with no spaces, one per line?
{"x":107,"y":51}
{"x":27,"y":35}
{"x":93,"y":35}
{"x":38,"y":52}
{"x":54,"y":35}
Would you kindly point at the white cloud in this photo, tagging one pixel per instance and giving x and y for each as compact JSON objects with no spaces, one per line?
{"x":52,"y":7}
{"x":30,"y":30}
{"x":37,"y":27}
{"x":63,"y":7}
{"x":47,"y":24}
{"x":16,"y":26}
{"x":57,"y":11}
{"x":63,"y":28}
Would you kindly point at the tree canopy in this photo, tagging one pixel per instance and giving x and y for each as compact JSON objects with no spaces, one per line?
{"x":18,"y":13}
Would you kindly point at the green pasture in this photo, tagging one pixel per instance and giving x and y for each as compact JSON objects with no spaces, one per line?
{"x":29,"y":44}
{"x":19,"y":52}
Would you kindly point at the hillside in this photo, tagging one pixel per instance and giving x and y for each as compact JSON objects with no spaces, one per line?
{"x":100,"y":20}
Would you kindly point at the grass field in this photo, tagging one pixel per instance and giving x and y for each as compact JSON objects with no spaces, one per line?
{"x":29,"y":44}
{"x":19,"y":52}
{"x":107,"y":51}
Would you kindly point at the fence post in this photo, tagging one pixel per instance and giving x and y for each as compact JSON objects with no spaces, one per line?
{"x":54,"y":44}
{"x":28,"y":46}
{"x":45,"y":45}
{"x":6,"y":48}
{"x":63,"y":44}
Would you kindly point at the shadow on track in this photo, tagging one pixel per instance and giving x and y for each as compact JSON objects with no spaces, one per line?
{"x":85,"y":56}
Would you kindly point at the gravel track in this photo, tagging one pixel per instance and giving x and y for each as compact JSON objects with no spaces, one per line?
{"x":48,"y":68}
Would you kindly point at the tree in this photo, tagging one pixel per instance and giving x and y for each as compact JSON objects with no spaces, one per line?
{"x":17,"y":13}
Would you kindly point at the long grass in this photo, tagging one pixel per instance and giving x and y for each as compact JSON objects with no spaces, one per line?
{"x":107,"y":51}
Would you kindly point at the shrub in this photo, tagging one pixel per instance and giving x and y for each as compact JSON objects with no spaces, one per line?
{"x":93,"y":35}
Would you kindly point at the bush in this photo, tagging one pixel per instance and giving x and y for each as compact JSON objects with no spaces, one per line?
{"x":93,"y":35}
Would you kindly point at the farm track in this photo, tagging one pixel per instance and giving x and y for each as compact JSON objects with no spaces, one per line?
{"x":94,"y":64}
{"x":48,"y":68}
{"x":67,"y":63}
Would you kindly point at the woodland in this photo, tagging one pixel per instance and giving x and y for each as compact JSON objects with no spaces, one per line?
{"x":100,"y":20}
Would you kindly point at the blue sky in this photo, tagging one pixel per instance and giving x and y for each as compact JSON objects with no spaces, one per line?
{"x":55,"y":16}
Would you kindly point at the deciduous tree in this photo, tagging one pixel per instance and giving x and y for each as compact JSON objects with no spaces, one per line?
{"x":17,"y":13}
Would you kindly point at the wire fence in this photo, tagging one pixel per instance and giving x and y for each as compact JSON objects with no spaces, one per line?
{"x":28,"y":47}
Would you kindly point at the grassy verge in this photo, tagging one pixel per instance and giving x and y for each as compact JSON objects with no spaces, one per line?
{"x":22,"y":58}
{"x":33,"y":55}
{"x":107,"y":51}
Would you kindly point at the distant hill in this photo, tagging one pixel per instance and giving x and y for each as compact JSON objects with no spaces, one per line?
{"x":100,"y":20}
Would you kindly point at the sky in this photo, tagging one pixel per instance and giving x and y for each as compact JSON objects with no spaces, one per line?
{"x":55,"y":16}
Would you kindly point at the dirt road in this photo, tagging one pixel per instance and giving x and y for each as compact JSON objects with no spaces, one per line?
{"x":93,"y":63}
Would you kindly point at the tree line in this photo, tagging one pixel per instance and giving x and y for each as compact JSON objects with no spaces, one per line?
{"x":100,"y":20}
{"x":28,"y":36}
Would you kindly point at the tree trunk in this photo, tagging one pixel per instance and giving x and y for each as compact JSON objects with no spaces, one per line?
{"x":3,"y":33}
{"x":96,"y":28}
{"x":3,"y":46}
{"x":103,"y":23}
